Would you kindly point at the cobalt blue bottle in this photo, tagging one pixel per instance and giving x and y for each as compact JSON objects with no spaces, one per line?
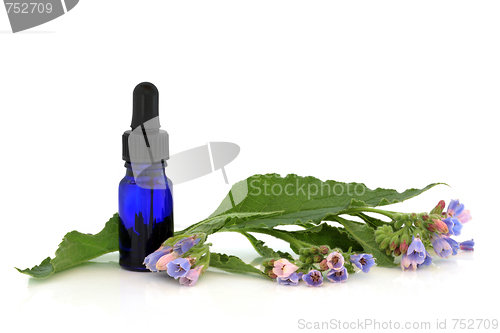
{"x":145,"y":193}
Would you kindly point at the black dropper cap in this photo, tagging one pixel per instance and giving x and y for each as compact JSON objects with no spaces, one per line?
{"x":146,"y":142}
{"x":145,"y":104}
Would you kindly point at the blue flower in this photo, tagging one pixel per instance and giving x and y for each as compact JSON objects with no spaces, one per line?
{"x":313,"y":279}
{"x":416,"y":251}
{"x":151,"y":260}
{"x":455,"y":208}
{"x":441,"y":247}
{"x":427,"y":261}
{"x":337,"y":275}
{"x":453,"y":243}
{"x":454,"y":226}
{"x":363,"y":261}
{"x":185,"y":245}
{"x":467,"y":245}
{"x":178,"y":268}
{"x":291,"y":280}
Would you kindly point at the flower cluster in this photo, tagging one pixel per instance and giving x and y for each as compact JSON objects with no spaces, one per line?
{"x":417,"y":232}
{"x":312,"y":266}
{"x":183,"y":257}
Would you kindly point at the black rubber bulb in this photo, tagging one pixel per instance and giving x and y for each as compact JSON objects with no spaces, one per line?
{"x":145,"y":106}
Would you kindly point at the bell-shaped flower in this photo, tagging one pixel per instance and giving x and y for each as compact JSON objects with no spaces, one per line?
{"x":178,"y":267}
{"x":283,"y":268}
{"x":313,"y":279}
{"x":335,"y":261}
{"x":337,"y":276}
{"x":363,"y":261}
{"x":191,"y":277}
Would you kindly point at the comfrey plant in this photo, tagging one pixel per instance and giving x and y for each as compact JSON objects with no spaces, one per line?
{"x":261,"y":204}
{"x":410,"y":235}
{"x":184,"y":257}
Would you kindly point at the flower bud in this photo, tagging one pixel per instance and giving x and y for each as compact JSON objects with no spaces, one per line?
{"x":323,"y":265}
{"x":309,"y":260}
{"x":271,"y":274}
{"x":439,"y":207}
{"x":418,"y":223}
{"x":397,"y":252}
{"x":397,"y":216}
{"x":394,"y":242}
{"x":405,"y":217}
{"x":318,"y":258}
{"x":314,"y":250}
{"x":423,"y":216}
{"x":303,"y":258}
{"x":305,"y":251}
{"x":413,"y":216}
{"x":323,"y":249}
{"x":388,"y":252}
{"x":385,"y":243}
{"x":441,"y":226}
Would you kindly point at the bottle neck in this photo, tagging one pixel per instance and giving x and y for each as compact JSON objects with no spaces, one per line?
{"x":145,"y":169}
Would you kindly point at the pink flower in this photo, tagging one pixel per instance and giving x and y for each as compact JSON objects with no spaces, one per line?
{"x":161,"y":264}
{"x":335,"y":261}
{"x":283,"y":268}
{"x":464,"y":216}
{"x":191,"y":277}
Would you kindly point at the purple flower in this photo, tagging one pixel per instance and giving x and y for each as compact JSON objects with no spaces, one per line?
{"x":453,"y":243}
{"x":337,"y":276}
{"x":185,"y":245}
{"x":467,"y":245}
{"x":427,"y":261}
{"x":416,"y":251}
{"x":407,"y":263}
{"x":454,"y":226}
{"x":151,"y":260}
{"x":455,"y":208}
{"x":313,"y":279}
{"x":363,"y":261}
{"x":178,"y":268}
{"x":335,"y":260}
{"x":191,"y":277}
{"x":441,"y":247}
{"x":291,"y":280}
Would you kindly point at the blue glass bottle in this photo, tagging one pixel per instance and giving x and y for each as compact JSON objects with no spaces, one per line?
{"x":145,"y":203}
{"x":146,"y":213}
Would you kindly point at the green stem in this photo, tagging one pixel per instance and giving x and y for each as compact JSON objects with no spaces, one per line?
{"x":369,"y":209}
{"x":283,"y":235}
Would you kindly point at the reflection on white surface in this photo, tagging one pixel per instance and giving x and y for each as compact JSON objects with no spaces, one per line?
{"x":105,"y":285}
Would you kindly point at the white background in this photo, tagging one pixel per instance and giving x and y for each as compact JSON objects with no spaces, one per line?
{"x":393,"y":94}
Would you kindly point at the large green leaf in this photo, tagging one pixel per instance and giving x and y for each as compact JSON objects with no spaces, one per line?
{"x":213,"y":224}
{"x":233,"y":264}
{"x":76,"y":248}
{"x":301,"y":200}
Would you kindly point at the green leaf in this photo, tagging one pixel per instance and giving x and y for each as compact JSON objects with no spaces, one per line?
{"x":264,"y":250}
{"x":213,"y":224}
{"x":77,"y":248}
{"x":233,"y":264}
{"x":45,"y":269}
{"x":325,"y":234}
{"x":301,"y":200}
{"x":364,"y":235}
